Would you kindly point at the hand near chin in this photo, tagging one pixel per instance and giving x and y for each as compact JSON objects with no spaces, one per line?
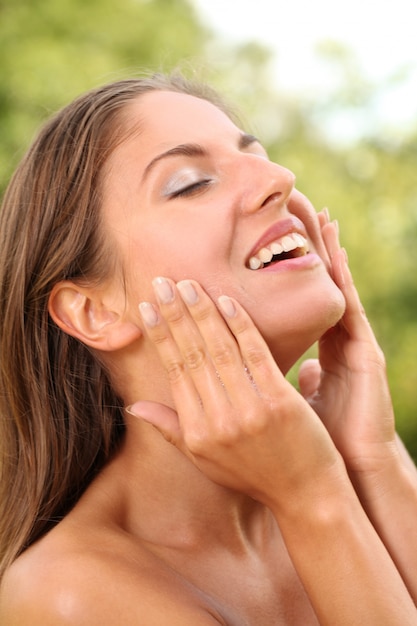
{"x":348,"y":386}
{"x":238,"y":419}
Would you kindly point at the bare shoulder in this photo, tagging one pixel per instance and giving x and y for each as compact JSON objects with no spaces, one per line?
{"x":59,"y":583}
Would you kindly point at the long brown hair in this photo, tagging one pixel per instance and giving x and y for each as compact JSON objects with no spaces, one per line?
{"x":60,"y":420}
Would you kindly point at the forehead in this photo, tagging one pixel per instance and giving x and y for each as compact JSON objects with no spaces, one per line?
{"x":169,"y":117}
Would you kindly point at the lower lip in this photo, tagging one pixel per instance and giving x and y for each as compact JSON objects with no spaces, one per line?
{"x":307,"y":261}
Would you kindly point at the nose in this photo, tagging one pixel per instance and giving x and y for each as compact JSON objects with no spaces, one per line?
{"x":264,"y":182}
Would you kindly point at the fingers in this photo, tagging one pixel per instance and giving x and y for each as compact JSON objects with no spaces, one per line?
{"x":309,"y":377}
{"x":323,"y":217}
{"x":183,"y":352}
{"x":354,"y":319}
{"x":162,"y":417}
{"x":221,"y":347}
{"x":237,"y":418}
{"x":239,"y":353}
{"x":264,"y":372}
{"x":209,"y":362}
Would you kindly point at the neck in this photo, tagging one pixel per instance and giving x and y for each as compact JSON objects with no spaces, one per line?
{"x":159,"y":493}
{"x":164,"y":499}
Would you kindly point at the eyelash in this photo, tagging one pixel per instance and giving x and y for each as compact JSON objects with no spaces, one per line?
{"x":191,"y":189}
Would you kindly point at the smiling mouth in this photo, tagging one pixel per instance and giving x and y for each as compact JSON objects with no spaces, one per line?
{"x":290,"y":246}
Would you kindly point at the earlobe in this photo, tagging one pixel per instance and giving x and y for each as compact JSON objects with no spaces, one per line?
{"x":82,"y":314}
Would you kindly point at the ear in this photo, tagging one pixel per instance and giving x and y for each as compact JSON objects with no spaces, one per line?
{"x":84,"y":314}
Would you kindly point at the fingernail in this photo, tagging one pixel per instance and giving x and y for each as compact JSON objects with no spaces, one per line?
{"x":188,"y":292}
{"x":345,"y":255}
{"x":163,"y":290}
{"x":148,"y":313}
{"x":227,"y":306}
{"x":326,"y":213}
{"x":129,"y":410}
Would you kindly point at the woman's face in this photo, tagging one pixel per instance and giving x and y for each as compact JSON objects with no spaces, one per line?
{"x":189,"y":195}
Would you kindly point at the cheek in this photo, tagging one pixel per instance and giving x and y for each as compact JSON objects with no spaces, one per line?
{"x":173,"y":253}
{"x":291,"y":319}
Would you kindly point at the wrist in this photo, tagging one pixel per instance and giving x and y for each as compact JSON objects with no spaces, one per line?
{"x":316,"y":499}
{"x":387,"y":493}
{"x":384,"y":479}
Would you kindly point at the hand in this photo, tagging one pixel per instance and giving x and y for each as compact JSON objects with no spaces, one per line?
{"x":348,"y":386}
{"x":244,"y":426}
{"x":237,"y":418}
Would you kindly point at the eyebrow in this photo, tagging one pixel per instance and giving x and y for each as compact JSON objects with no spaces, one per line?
{"x":194,"y":150}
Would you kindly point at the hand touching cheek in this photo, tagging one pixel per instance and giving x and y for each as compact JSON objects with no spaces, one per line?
{"x":237,"y":417}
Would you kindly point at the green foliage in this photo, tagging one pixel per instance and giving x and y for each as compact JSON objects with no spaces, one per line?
{"x":369,"y":185}
{"x":51,"y":51}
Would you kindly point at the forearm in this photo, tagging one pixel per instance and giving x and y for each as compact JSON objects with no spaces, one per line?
{"x":389,"y":497}
{"x":348,"y":574}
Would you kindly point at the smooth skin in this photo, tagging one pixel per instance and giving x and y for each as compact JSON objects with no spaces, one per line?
{"x":243,"y":425}
{"x":256,"y":450}
{"x":234,"y":499}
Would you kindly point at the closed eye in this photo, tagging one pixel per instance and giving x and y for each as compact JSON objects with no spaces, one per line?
{"x":191,"y":190}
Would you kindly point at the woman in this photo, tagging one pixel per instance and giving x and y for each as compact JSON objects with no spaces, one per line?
{"x":156,"y":466}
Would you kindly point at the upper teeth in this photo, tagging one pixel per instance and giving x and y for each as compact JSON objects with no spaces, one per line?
{"x":284,"y":244}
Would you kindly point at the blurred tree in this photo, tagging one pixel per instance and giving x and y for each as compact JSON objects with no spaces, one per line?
{"x":369,"y":185}
{"x":51,"y":51}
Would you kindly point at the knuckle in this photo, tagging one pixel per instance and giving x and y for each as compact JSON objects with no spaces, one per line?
{"x":203,"y":313}
{"x":175,"y":315}
{"x":253,"y":422}
{"x":160,"y":338}
{"x":195,"y":357}
{"x":263,"y":416}
{"x":222,"y":354}
{"x":175,"y":370}
{"x":241,"y":326}
{"x":195,"y":442}
{"x":229,"y":434}
{"x":256,"y":357}
{"x":208,"y":442}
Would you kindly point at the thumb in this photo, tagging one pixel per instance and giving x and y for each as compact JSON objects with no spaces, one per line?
{"x":159,"y":415}
{"x":309,"y":377}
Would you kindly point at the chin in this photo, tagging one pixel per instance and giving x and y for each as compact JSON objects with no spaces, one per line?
{"x":291,"y":337}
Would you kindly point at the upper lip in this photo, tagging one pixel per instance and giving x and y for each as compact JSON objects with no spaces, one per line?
{"x":276,"y":231}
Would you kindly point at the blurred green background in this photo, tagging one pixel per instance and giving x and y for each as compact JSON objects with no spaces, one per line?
{"x":51,"y":51}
